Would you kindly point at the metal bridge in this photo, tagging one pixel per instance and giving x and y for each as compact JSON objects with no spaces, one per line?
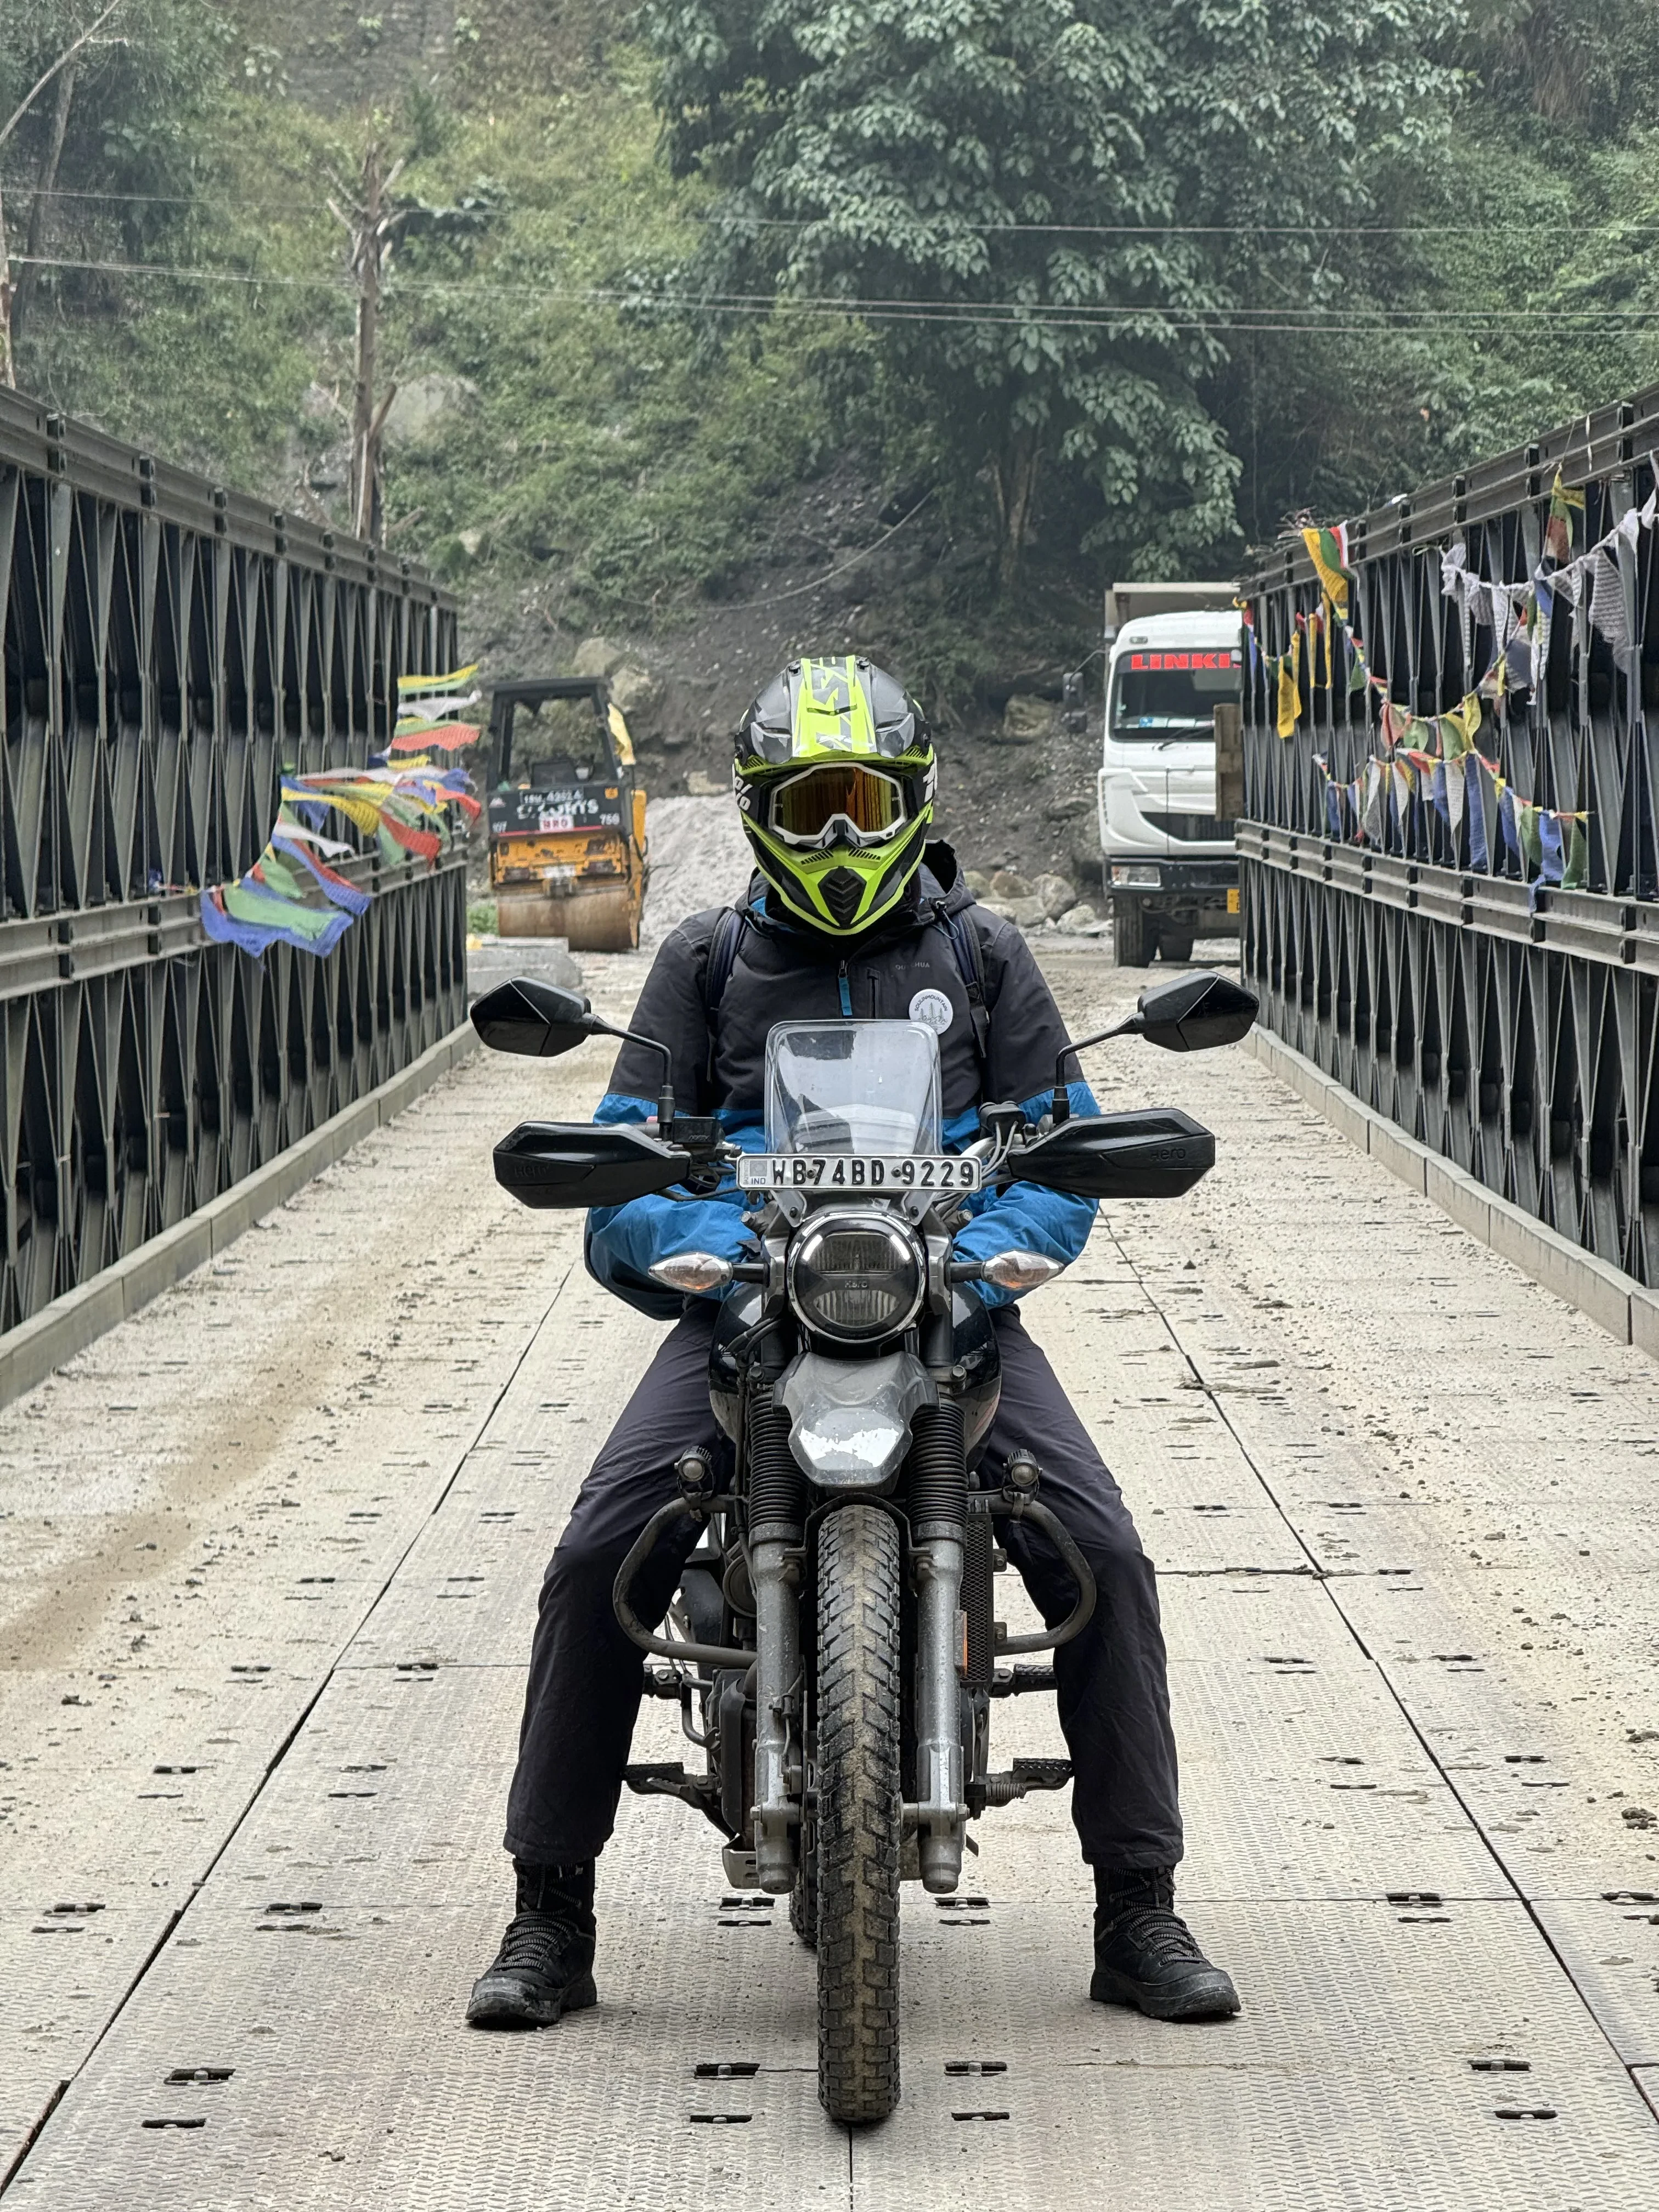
{"x":169,"y":648}
{"x":1399,"y":1493}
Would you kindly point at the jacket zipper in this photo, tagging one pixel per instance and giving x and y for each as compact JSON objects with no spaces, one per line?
{"x":846,"y":989}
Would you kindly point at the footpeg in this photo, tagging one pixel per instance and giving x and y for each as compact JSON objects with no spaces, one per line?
{"x":1021,"y":1681}
{"x":1042,"y":1773}
{"x":1026,"y":1774}
{"x":663,"y":1780}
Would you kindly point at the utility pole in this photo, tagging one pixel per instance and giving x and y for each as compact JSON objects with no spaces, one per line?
{"x":8,"y":291}
{"x":372,"y":223}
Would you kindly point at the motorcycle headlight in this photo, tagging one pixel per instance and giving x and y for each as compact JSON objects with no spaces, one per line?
{"x":856,"y":1278}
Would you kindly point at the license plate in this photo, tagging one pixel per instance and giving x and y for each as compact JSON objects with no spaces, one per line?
{"x":888,"y":1173}
{"x":1232,"y":900}
{"x":550,"y":824}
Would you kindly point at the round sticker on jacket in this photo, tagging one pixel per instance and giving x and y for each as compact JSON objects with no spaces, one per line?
{"x":933,"y":1010}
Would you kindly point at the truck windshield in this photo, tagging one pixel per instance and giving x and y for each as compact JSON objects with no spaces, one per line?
{"x":1171,"y":694}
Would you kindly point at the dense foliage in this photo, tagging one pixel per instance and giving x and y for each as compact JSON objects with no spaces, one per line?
{"x":1112,"y":286}
{"x":1060,"y":216}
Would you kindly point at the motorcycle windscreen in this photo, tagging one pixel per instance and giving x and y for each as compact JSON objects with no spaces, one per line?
{"x":852,"y":1087}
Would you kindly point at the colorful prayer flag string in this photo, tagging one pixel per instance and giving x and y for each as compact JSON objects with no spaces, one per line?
{"x":291,"y":896}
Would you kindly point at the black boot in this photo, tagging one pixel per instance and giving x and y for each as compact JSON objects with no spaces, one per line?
{"x":1147,"y":1958}
{"x":546,"y":1964}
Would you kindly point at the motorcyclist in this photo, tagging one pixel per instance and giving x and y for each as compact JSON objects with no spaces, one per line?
{"x":851,"y":913}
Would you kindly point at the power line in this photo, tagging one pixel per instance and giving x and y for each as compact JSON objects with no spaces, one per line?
{"x":1012,"y":315}
{"x":1616,"y":226}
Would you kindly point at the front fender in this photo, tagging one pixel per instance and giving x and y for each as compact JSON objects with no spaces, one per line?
{"x":850,"y":1419}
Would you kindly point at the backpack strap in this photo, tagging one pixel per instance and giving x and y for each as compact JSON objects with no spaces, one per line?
{"x":723,"y":948}
{"x":971,"y":962}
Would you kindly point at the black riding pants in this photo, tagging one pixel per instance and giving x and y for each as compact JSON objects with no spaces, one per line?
{"x":585,"y":1687}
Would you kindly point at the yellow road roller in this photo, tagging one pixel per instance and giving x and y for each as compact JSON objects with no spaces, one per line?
{"x":567,"y":815}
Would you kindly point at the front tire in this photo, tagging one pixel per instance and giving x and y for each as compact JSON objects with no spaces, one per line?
{"x":860,"y":1814}
{"x":1132,"y":942}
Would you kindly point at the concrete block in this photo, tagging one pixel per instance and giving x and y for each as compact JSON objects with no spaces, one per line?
{"x":1401,"y":1155}
{"x":348,"y":1127}
{"x":1596,"y":1289}
{"x":56,"y":1333}
{"x":238,"y":1210}
{"x":165,"y":1261}
{"x":1460,"y":1194}
{"x":1645,"y":1320}
{"x":1346,"y":1113}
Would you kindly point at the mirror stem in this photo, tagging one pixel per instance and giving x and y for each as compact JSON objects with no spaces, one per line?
{"x":1060,"y":1106}
{"x":665,"y":1094}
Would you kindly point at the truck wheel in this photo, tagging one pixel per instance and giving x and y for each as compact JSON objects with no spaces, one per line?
{"x":1129,"y":945}
{"x":1176,"y":947}
{"x":860,"y":1814}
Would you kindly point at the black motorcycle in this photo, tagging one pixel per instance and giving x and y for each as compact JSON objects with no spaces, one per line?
{"x":832,"y":1644}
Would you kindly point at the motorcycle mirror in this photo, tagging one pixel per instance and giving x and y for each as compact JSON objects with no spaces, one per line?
{"x":1194,"y":1012}
{"x":1189,"y":1014}
{"x":541,"y":1021}
{"x":538,"y":1020}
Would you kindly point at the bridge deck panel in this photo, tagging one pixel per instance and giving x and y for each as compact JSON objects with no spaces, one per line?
{"x":1350,"y":2078}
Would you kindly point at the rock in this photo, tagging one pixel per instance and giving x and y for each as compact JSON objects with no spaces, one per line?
{"x":1082,"y":920}
{"x":1025,"y":718}
{"x":417,"y":414}
{"x":1007,"y":883}
{"x":700,"y":785}
{"x":1055,"y":895}
{"x":636,"y":691}
{"x":1083,"y":846}
{"x":976,"y":881}
{"x":597,"y":656}
{"x":544,"y":959}
{"x":1027,"y":912}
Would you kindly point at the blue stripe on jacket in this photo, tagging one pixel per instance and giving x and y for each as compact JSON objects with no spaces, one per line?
{"x":623,"y":1242}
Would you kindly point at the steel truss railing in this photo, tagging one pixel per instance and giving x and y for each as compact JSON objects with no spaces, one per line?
{"x":169,"y":648}
{"x":1513,"y":1028}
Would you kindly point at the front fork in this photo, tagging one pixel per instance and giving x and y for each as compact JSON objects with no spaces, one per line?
{"x":777,"y":1507}
{"x":938,"y":1512}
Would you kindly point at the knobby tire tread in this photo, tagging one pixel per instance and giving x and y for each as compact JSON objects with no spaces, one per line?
{"x":860,"y":1814}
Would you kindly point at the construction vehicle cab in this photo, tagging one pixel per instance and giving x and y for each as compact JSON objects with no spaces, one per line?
{"x":567,"y":815}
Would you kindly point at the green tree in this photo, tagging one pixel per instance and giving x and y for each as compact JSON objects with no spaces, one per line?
{"x":1057,"y":215}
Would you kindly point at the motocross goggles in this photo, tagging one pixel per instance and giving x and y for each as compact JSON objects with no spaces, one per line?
{"x":836,"y":803}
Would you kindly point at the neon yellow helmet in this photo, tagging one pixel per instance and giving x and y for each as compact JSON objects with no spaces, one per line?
{"x":835,"y":777}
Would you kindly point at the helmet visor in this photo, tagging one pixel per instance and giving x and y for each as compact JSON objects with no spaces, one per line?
{"x":838,"y":802}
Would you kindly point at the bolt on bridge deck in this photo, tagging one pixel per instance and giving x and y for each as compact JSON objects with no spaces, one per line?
{"x":275,"y":1545}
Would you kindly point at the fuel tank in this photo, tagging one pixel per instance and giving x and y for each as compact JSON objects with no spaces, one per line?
{"x":974,"y":1345}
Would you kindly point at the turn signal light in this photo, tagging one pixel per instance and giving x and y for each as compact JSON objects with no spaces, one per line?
{"x":1020,"y":1271}
{"x":693,"y":1272}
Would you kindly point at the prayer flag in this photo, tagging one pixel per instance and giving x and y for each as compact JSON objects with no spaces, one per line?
{"x":1328,"y":552}
{"x":1564,"y":503}
{"x":1289,"y":689}
{"x":1478,"y":856}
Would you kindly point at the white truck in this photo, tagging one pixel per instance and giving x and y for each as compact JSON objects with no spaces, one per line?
{"x":1175,"y":653}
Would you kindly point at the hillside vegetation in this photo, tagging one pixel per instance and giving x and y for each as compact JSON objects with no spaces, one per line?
{"x":665,"y":309}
